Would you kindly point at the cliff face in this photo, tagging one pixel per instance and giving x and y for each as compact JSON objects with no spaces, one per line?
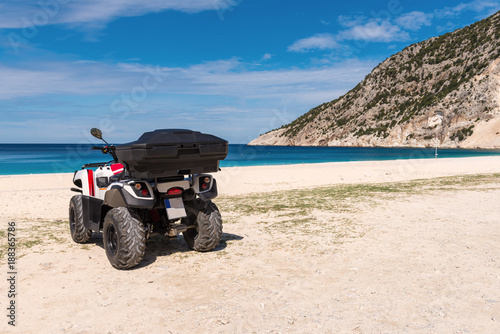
{"x":444,"y":90}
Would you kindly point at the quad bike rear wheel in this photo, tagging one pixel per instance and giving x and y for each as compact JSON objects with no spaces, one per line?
{"x":124,"y":238}
{"x":79,"y":233}
{"x":206,"y":236}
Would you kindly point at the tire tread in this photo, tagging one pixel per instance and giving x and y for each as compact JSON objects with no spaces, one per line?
{"x":131,"y":238}
{"x":209,"y":224}
{"x":81,"y":234}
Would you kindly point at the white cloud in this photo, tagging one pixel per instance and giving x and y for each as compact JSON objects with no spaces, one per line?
{"x":349,"y":21}
{"x":359,"y":29}
{"x":20,"y":14}
{"x":449,"y":26}
{"x":215,"y":66}
{"x":479,"y":6}
{"x":267,"y":56}
{"x":315,"y":42}
{"x":414,"y":20}
{"x":222,"y":95}
{"x":375,"y":31}
{"x":60,"y":78}
{"x":226,"y":78}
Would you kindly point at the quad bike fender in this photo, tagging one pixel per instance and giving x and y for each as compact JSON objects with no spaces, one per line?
{"x":91,"y":207}
{"x":210,"y":190}
{"x":211,"y":193}
{"x":84,"y":179}
{"x":121,"y":194}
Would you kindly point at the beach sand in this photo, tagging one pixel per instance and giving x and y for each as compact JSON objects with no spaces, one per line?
{"x":407,"y":246}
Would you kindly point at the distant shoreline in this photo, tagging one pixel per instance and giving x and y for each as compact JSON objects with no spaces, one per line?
{"x":322,"y":165}
{"x":25,"y":159}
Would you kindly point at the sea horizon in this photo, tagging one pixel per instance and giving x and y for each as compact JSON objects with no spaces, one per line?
{"x":27,"y":158}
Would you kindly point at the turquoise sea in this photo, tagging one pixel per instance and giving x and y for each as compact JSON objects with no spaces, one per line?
{"x":66,"y":158}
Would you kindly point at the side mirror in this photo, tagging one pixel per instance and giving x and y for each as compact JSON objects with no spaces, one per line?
{"x":96,"y":133}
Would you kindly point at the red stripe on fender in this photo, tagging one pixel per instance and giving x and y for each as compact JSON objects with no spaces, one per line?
{"x":90,"y":174}
{"x":117,"y":168}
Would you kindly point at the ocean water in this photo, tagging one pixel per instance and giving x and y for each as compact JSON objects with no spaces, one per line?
{"x":66,"y":158}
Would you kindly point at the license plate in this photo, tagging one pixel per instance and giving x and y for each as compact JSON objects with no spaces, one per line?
{"x":175,"y":208}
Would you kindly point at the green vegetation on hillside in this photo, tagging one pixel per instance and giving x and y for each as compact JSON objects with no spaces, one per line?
{"x":407,"y":85}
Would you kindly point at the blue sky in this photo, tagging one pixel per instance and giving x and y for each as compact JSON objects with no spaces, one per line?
{"x":234,"y":68}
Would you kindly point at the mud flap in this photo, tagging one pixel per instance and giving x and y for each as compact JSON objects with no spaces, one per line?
{"x":92,"y":212}
{"x":118,"y":197}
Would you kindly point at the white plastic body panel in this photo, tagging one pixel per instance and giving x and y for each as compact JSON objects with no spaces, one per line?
{"x":101,"y":172}
{"x":163,"y":187}
{"x":83,"y":176}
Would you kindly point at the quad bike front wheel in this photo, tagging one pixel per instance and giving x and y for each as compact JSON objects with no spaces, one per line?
{"x":124,"y":238}
{"x":79,"y":233}
{"x":206,"y":236}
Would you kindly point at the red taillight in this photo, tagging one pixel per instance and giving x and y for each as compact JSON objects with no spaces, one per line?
{"x":174,"y":191}
{"x":144,"y":192}
{"x":204,"y":186}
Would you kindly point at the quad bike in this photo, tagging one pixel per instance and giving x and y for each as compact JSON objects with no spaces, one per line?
{"x":155,"y":185}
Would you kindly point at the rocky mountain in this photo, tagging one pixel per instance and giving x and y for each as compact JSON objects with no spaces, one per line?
{"x":444,"y":90}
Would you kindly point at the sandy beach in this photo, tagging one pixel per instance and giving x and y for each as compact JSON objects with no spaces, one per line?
{"x":406,"y":246}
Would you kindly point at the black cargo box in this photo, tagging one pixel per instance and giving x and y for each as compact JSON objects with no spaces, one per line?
{"x":170,"y":152}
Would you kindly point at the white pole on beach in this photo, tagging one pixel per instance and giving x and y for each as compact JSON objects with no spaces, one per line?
{"x":440,"y":116}
{"x":436,"y":154}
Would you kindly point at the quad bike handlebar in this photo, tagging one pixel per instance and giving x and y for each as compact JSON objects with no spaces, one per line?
{"x":106,"y":149}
